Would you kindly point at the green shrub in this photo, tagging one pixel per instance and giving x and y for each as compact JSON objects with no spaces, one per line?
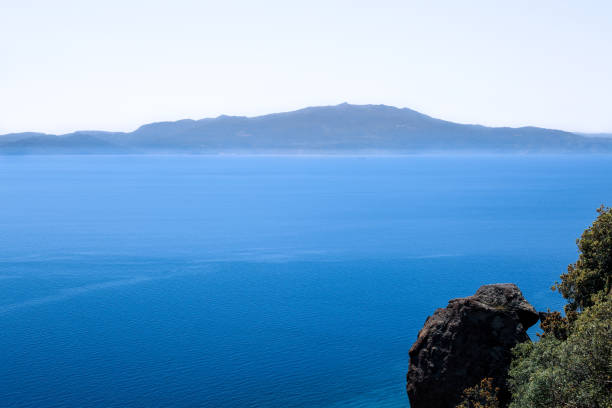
{"x":573,"y":373}
{"x":483,"y":395}
{"x":553,"y":324}
{"x":571,"y":365}
{"x":591,"y":276}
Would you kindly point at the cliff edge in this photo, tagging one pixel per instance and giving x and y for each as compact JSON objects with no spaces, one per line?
{"x":465,"y":342}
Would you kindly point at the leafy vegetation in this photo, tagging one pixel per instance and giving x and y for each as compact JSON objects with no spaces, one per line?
{"x":553,"y":324}
{"x":483,"y":395}
{"x":571,"y":365}
{"x":590,"y":277}
{"x":576,"y":372}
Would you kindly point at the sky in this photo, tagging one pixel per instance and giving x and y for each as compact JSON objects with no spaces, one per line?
{"x":115,"y":65}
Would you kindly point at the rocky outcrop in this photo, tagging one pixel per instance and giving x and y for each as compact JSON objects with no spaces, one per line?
{"x":467,"y":341}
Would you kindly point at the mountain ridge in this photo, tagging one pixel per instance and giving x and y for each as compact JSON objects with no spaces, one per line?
{"x":344,"y":128}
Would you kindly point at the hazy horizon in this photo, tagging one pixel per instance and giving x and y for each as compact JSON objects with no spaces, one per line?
{"x":114,"y":66}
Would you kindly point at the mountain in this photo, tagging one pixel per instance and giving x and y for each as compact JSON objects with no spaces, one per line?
{"x":342,"y":128}
{"x":65,"y":144}
{"x":608,"y":135}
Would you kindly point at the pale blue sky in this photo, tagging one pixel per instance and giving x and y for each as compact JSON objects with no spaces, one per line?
{"x":114,"y":65}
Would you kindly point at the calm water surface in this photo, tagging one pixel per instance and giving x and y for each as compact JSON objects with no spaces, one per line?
{"x":181,"y":281}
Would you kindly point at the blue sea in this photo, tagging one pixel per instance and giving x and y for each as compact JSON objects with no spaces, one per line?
{"x":211,"y":281}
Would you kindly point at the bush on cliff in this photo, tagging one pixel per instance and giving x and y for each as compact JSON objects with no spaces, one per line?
{"x":573,"y":373}
{"x":591,"y":276}
{"x":553,"y":324}
{"x":483,"y":395}
{"x":571,"y":365}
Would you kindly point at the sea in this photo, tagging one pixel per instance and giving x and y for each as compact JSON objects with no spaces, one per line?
{"x":263,"y":281}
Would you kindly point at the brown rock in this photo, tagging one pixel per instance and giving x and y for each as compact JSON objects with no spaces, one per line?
{"x":467,"y":341}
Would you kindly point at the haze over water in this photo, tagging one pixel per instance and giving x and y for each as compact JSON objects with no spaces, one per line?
{"x":262,"y":281}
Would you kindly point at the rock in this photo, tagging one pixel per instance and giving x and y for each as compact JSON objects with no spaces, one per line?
{"x":467,"y":341}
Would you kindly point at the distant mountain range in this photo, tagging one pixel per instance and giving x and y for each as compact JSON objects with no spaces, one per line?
{"x":345,"y":128}
{"x":608,"y":135}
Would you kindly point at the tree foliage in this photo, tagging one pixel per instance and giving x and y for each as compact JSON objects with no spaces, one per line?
{"x":553,"y":324}
{"x":571,"y":365}
{"x":591,"y":276}
{"x":483,"y":395}
{"x":573,"y":373}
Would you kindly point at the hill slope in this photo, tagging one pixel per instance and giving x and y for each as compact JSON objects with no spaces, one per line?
{"x":328,"y":129}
